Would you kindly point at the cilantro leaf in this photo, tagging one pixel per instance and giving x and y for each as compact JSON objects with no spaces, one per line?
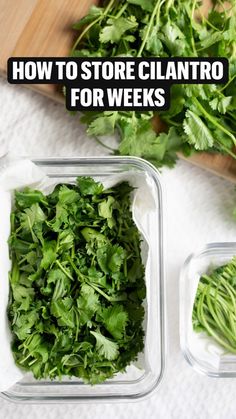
{"x":88,"y":186}
{"x":211,"y":39}
{"x":110,"y":258}
{"x":144,"y":4}
{"x":198,"y":133}
{"x":61,"y":217}
{"x":116,"y":28}
{"x":63,"y":311}
{"x":103,"y":125}
{"x":105,"y":347}
{"x":87,"y":303}
{"x":28,"y":197}
{"x":154,"y":44}
{"x":23,"y":296}
{"x":49,"y":254}
{"x":24,"y":323}
{"x":94,"y":13}
{"x":32,"y":217}
{"x":66,"y":240}
{"x":105,"y":210}
{"x":115,"y":319}
{"x":67,"y":195}
{"x":221,"y":104}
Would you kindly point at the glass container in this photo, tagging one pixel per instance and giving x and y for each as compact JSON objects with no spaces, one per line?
{"x":203,"y":354}
{"x":135,"y":383}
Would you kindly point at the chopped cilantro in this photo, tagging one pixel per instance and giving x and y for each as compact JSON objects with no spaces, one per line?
{"x":77,"y":282}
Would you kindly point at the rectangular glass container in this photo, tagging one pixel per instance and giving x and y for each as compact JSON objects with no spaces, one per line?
{"x":207,"y":358}
{"x":134,"y":383}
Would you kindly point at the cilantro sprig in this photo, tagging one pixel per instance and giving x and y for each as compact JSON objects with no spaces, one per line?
{"x":77,"y":281}
{"x":214,"y":309}
{"x":201,"y":117}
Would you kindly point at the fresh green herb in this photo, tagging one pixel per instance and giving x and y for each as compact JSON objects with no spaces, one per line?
{"x":201,"y":117}
{"x":77,"y":281}
{"x":214,"y":309}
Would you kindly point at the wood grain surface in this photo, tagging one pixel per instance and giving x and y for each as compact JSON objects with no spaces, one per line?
{"x":38,"y":28}
{"x":42,"y":28}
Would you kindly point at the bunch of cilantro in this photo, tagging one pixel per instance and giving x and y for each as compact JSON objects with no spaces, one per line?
{"x":201,"y":117}
{"x":77,"y":281}
{"x":214,"y":310}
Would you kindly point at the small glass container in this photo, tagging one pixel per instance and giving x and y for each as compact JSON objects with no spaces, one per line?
{"x":203,"y":354}
{"x":135,"y":383}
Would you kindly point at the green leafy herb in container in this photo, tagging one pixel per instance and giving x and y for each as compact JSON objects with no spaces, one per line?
{"x":214,"y":309}
{"x":77,"y":281}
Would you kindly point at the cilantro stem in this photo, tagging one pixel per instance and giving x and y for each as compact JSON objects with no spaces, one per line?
{"x":99,"y":291}
{"x":107,"y":297}
{"x":12,"y":221}
{"x":32,"y":362}
{"x":64,"y":270}
{"x":22,"y":260}
{"x":52,"y":370}
{"x":122,"y":10}
{"x":223,"y":6}
{"x":87,"y":29}
{"x":25,"y":359}
{"x":227,"y":150}
{"x":77,"y":323}
{"x":215,"y":305}
{"x":168,"y":5}
{"x":125,"y":267}
{"x":191,"y":28}
{"x":227,"y":84}
{"x":77,"y":271}
{"x":204,"y":19}
{"x":209,"y":329}
{"x":15,"y":274}
{"x":221,"y":324}
{"x":171,"y":122}
{"x":73,"y":252}
{"x":154,"y":13}
{"x":159,"y":11}
{"x":104,"y":145}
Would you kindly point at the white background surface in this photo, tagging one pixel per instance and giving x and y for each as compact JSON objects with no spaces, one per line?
{"x":198,"y":210}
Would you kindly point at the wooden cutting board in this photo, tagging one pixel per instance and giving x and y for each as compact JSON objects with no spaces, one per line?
{"x":39,"y":28}
{"x":42,"y":28}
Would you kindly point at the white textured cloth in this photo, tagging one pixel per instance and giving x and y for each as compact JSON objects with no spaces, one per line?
{"x":198,"y":209}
